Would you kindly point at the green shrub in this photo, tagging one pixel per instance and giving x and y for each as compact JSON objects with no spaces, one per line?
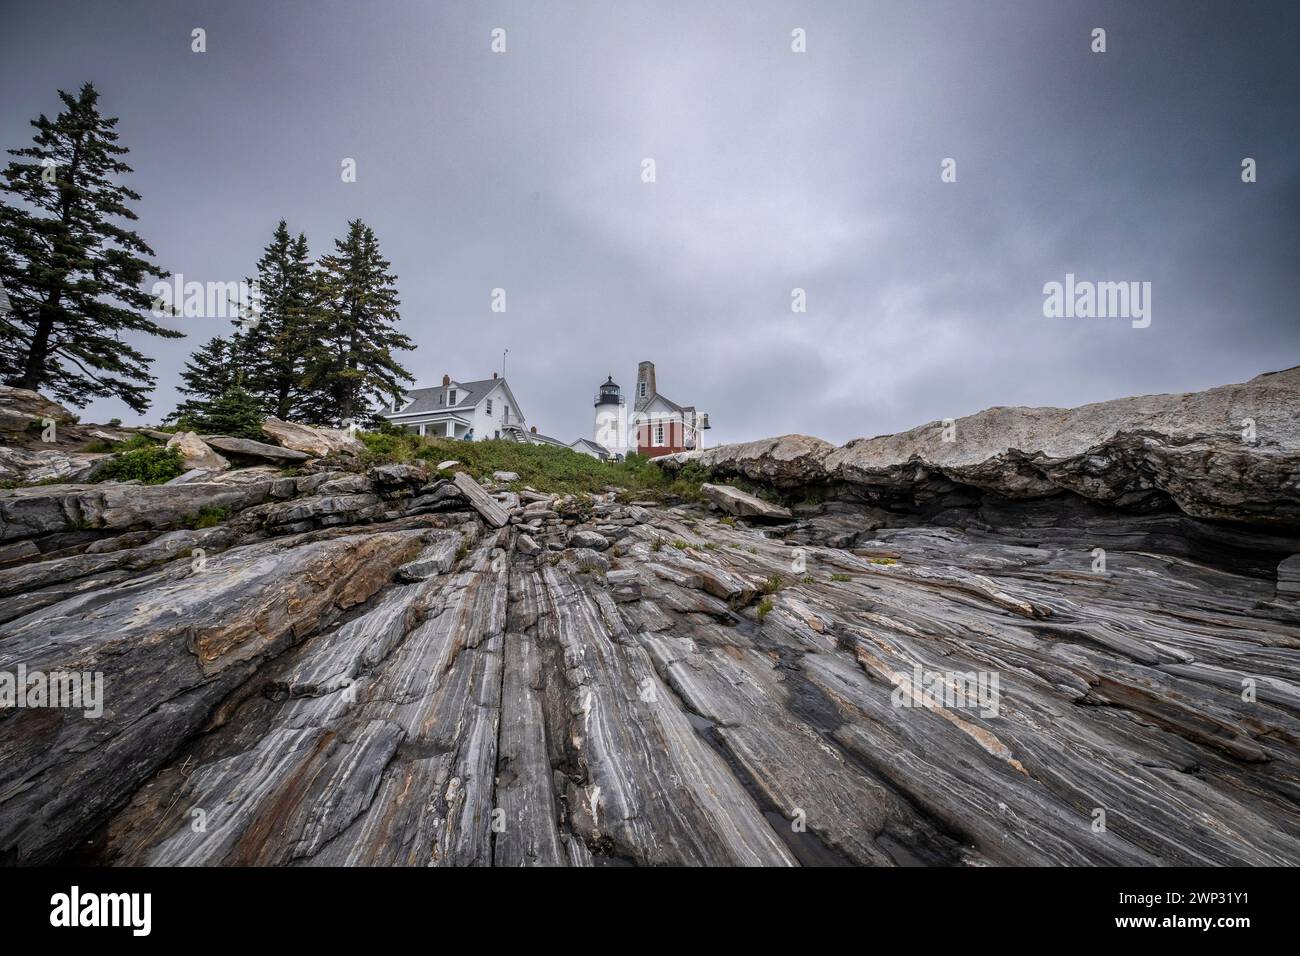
{"x":210,"y":516}
{"x":152,"y":465}
{"x":840,"y":577}
{"x":773,"y":584}
{"x":764,"y":608}
{"x":883,"y":561}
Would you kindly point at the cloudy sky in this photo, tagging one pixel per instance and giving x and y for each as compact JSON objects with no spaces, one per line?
{"x":775,"y":170}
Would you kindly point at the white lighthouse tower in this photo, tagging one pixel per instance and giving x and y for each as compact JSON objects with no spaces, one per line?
{"x":610,"y":427}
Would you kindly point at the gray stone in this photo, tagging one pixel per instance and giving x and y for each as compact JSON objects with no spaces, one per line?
{"x":741,"y":504}
{"x":481,"y":501}
{"x":1288,"y":576}
{"x":585,"y":538}
{"x":247,"y":448}
{"x":195,"y":452}
{"x":314,"y":442}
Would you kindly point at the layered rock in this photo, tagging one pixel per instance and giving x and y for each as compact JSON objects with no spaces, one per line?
{"x":365,"y":668}
{"x":742,"y":504}
{"x":1230,"y":453}
{"x":315,"y":442}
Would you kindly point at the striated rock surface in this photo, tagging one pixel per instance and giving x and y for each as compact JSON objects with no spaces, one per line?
{"x":344,"y":668}
{"x":1229,"y":453}
{"x":247,"y":448}
{"x":742,"y":504}
{"x":315,"y":442}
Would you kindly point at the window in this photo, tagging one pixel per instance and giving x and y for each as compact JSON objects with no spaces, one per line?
{"x":659,"y":433}
{"x":451,"y":397}
{"x":641,"y":386}
{"x":489,"y":406}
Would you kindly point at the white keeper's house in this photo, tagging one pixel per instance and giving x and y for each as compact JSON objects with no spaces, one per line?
{"x":474,"y":410}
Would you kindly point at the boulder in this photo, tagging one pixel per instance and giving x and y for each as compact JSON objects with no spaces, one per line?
{"x":586,"y":538}
{"x":481,"y":501}
{"x":247,"y":448}
{"x":195,"y":452}
{"x":22,"y":410}
{"x":525,"y":544}
{"x":316,"y":442}
{"x":505,"y":477}
{"x":736,"y":502}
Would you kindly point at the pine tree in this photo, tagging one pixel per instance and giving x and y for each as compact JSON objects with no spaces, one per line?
{"x":216,"y":400}
{"x":207,"y":374}
{"x":73,"y":274}
{"x":351,"y":366}
{"x":274,"y":343}
{"x":235,"y":412}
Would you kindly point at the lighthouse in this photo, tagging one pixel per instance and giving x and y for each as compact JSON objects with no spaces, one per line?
{"x":610,"y":427}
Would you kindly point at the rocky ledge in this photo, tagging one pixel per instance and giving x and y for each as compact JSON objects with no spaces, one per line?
{"x":1075,"y":648}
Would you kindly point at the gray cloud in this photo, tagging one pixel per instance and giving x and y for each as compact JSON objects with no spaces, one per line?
{"x":775,"y":171}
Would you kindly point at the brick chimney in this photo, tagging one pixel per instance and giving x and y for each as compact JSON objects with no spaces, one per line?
{"x":645,"y":381}
{"x":494,"y":375}
{"x":446,"y":380}
{"x":533,"y":429}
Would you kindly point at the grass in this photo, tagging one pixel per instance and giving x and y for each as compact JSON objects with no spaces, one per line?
{"x":210,"y":516}
{"x":544,"y":467}
{"x":883,"y":561}
{"x":840,"y":577}
{"x":764,"y":608}
{"x":773,"y":584}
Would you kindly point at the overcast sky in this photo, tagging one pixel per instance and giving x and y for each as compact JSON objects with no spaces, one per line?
{"x":775,"y":170}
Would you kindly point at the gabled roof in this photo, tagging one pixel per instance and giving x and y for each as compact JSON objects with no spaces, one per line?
{"x":468,"y":394}
{"x":643,"y":403}
{"x":596,"y":446}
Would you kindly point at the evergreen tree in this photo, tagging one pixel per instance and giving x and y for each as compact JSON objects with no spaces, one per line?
{"x":235,"y":412}
{"x":350,"y":364}
{"x":207,"y":374}
{"x":73,"y":274}
{"x":274,"y":343}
